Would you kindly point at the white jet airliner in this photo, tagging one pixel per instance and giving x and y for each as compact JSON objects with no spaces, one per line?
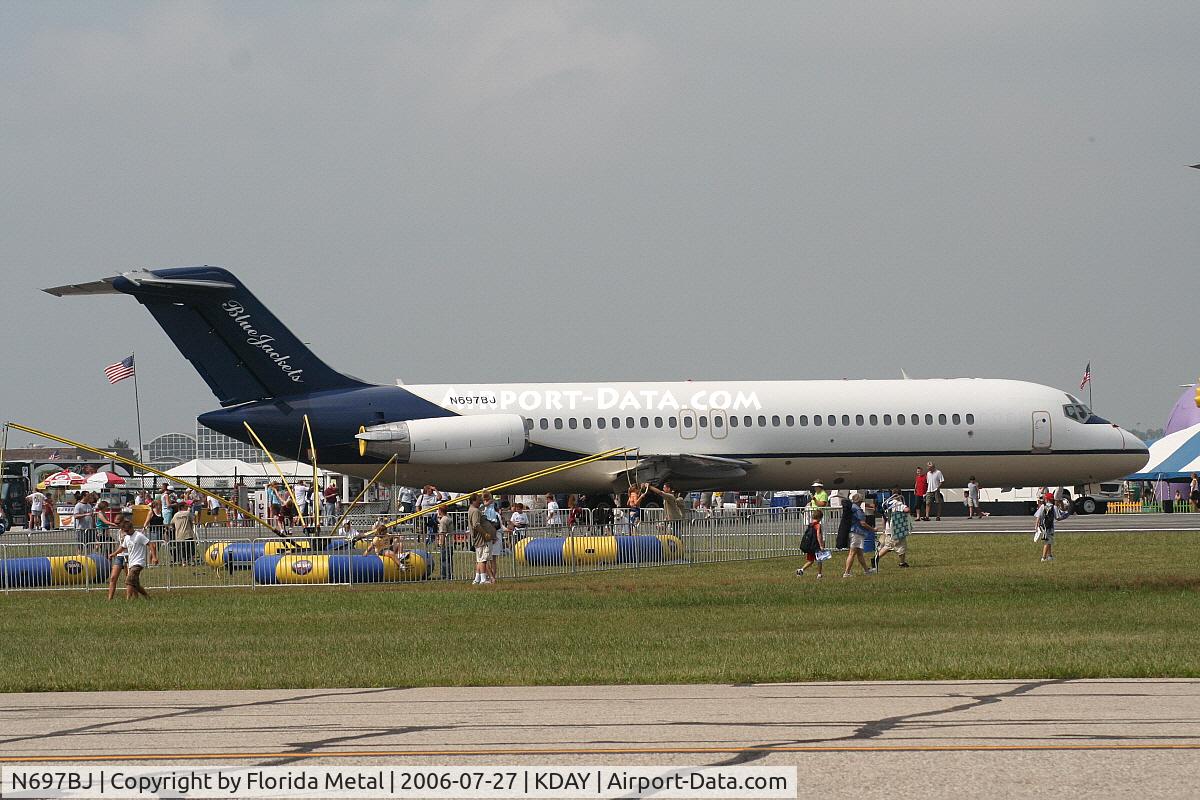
{"x":711,"y":434}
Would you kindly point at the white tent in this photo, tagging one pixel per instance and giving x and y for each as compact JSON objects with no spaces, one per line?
{"x":1173,"y":457}
{"x":253,"y":474}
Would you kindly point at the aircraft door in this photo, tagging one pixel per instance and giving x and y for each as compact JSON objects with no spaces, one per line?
{"x":687,"y":423}
{"x":1041,"y":432}
{"x":719,"y":423}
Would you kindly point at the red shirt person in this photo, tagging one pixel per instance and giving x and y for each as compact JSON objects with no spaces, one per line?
{"x":922,"y":485}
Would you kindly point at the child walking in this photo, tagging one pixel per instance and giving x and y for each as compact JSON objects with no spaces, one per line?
{"x":812,"y":543}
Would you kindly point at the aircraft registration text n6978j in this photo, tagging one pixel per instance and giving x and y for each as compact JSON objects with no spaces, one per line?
{"x":702,"y":434}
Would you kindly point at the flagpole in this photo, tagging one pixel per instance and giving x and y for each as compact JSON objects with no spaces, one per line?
{"x":137,"y":405}
{"x":1090,"y":388}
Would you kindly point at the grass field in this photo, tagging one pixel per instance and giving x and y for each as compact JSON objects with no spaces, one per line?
{"x":1111,"y":605}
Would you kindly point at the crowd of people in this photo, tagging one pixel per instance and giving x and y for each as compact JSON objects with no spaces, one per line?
{"x":858,"y":521}
{"x":493,"y":526}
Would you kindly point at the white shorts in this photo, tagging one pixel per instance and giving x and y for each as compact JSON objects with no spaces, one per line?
{"x":483,"y":553}
{"x":856,"y":541}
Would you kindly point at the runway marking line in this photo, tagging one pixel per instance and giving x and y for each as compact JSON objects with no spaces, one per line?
{"x":588,"y":751}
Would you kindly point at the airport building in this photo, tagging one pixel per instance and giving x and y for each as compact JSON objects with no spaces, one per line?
{"x":172,"y":449}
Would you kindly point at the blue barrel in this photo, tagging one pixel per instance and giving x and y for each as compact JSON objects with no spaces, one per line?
{"x":638,"y":549}
{"x":543,"y":552}
{"x":18,"y":573}
{"x":868,"y":541}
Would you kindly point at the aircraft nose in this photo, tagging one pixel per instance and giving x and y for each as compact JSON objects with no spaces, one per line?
{"x":1132,"y":443}
{"x":1135,"y":454}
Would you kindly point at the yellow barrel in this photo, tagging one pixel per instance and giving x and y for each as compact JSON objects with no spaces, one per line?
{"x":307,"y":568}
{"x":71,"y":570}
{"x":590,"y":549}
{"x":214,"y":556}
{"x":672,"y":547}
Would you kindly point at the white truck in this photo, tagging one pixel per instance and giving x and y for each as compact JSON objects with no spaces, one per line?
{"x":1091,"y":498}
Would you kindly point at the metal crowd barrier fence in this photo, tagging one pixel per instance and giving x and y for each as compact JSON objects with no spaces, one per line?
{"x":233,"y":557}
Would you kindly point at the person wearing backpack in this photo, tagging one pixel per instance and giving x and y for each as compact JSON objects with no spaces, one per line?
{"x":1043,"y":525}
{"x":812,"y":543}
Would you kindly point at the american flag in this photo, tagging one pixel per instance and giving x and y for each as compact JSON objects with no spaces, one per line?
{"x":120,"y":370}
{"x":1087,"y":376}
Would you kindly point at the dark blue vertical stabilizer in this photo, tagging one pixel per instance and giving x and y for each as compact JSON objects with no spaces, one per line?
{"x":241,"y":349}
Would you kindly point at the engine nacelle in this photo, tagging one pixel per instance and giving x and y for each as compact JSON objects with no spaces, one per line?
{"x":475,"y":439}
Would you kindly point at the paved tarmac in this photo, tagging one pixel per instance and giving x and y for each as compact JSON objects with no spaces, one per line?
{"x":1095,"y":738}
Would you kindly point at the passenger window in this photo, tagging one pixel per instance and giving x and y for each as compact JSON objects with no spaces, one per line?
{"x":717,"y":423}
{"x":528,"y":424}
{"x":629,"y":422}
{"x":817,"y":419}
{"x":831,"y":419}
{"x":846,"y":420}
{"x":703,"y":421}
{"x":687,"y":422}
{"x":804,"y":420}
{"x":941,"y":419}
{"x":874,"y":419}
{"x":762,"y":421}
{"x":956,"y":418}
{"x":775,"y":420}
{"x":887,"y":419}
{"x":587,"y":423}
{"x":670,"y":422}
{"x":572,"y":423}
{"x":790,"y":420}
{"x":747,"y":422}
{"x":544,"y":424}
{"x":858,"y":419}
{"x":658,"y":422}
{"x":929,"y":419}
{"x":899,"y":419}
{"x":601,"y":422}
{"x":558,"y":424}
{"x":616,"y":422}
{"x":645,"y":422}
{"x":733,"y":422}
{"x":970,"y":419}
{"x":915,"y":419}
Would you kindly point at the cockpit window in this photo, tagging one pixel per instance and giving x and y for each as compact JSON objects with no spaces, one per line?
{"x":1081,"y":413}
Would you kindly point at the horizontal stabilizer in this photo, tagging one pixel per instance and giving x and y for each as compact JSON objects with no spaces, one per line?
{"x":94,"y":287}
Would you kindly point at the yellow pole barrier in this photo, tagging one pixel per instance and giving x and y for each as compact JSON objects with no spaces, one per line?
{"x":366,"y":486}
{"x":137,"y":464}
{"x":286,"y":485}
{"x":514,"y":481}
{"x":313,"y":494}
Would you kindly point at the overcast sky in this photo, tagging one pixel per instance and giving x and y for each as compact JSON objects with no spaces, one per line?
{"x":448,"y":192}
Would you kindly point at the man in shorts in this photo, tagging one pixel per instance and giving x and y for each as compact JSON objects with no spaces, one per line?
{"x":933,"y":491}
{"x":135,"y":547}
{"x":37,"y":505}
{"x":482,"y":537}
{"x":858,"y":533}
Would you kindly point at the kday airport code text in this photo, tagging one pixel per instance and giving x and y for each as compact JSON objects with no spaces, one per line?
{"x":67,"y":781}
